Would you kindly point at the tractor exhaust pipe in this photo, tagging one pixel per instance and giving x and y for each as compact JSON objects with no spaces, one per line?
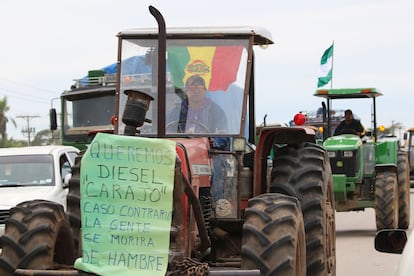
{"x":162,"y":48}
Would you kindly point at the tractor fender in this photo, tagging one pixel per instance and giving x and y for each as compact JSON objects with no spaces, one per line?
{"x":386,"y":168}
{"x":288,"y":135}
{"x":268,"y":137}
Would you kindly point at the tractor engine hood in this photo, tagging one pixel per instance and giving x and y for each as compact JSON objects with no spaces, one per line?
{"x":342,"y":142}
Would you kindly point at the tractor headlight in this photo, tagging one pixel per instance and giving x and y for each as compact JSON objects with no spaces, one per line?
{"x":239,"y":144}
{"x":348,"y":153}
{"x":331,"y":154}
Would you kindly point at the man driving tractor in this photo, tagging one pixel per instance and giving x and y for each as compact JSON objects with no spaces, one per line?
{"x":350,"y":125}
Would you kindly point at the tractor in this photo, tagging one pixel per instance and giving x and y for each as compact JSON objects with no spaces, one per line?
{"x":87,"y":107}
{"x":243,"y":204}
{"x":370,"y":171}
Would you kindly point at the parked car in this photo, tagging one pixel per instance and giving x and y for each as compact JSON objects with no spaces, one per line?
{"x":37,"y":172}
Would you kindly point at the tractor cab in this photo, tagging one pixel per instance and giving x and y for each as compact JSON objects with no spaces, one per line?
{"x":221,"y":60}
{"x":330,"y":115}
{"x":350,"y":155}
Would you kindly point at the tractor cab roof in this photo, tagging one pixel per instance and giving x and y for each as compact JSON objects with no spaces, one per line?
{"x":348,"y":93}
{"x":261,"y":35}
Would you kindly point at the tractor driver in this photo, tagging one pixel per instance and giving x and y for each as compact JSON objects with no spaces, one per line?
{"x":197,"y":113}
{"x":350,"y":125}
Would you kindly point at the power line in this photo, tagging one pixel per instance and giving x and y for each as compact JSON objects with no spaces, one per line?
{"x":29,"y":129}
{"x":28,"y":85}
{"x":21,"y":95}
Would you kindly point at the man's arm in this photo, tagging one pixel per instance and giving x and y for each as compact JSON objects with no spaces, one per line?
{"x":360,"y":128}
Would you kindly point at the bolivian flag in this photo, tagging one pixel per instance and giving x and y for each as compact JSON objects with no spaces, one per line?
{"x":217,"y":65}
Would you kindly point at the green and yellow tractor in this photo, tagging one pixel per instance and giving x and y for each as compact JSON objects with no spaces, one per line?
{"x":370,"y":171}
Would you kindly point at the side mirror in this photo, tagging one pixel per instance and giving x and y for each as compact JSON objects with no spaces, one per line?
{"x":53,"y":119}
{"x":390,"y":241}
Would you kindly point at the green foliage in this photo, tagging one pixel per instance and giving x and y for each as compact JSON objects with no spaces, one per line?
{"x":46,"y":137}
{"x":42,"y":138}
{"x":4,"y":107}
{"x":12,"y":143}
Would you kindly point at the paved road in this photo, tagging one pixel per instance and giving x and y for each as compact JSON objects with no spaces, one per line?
{"x":356,"y":254}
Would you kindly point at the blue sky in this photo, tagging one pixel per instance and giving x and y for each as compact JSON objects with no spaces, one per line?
{"x":46,"y":44}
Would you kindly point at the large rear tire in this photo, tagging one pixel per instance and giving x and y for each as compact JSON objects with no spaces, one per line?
{"x":304,"y":171}
{"x":37,"y":236}
{"x":73,"y":203}
{"x":274,"y":236}
{"x":386,"y":200}
{"x":403,"y":190}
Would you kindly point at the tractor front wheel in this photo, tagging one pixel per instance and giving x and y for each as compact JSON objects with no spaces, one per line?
{"x":274,"y":236}
{"x":386,"y":200}
{"x":403,"y":191}
{"x":37,"y":236}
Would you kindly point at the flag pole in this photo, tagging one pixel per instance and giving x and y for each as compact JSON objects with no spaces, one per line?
{"x":333,"y":49}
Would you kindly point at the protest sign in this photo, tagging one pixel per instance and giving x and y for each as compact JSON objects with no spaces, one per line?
{"x":126,"y":205}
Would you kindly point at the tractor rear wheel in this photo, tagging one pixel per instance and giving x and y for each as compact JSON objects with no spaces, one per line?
{"x":304,"y":171}
{"x":73,"y":203}
{"x":37,"y":236}
{"x":386,"y":200}
{"x":274,"y":236}
{"x":403,"y":191}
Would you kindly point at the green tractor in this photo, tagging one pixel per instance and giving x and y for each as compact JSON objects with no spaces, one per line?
{"x":369,"y":171}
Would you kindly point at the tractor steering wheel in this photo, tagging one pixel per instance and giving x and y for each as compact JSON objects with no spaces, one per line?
{"x":348,"y":131}
{"x":172,"y":127}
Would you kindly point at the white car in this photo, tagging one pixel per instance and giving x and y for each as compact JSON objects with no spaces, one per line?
{"x":36,"y":172}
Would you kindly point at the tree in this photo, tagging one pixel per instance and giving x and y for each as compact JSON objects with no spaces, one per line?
{"x":4,"y":120}
{"x":46,"y":137}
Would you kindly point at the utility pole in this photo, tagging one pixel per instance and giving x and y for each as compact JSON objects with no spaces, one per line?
{"x":29,"y":129}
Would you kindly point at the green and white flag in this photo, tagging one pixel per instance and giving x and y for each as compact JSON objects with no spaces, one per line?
{"x":325,"y":71}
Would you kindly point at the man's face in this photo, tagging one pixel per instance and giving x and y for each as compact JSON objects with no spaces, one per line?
{"x":196,"y":93}
{"x":348,"y":118}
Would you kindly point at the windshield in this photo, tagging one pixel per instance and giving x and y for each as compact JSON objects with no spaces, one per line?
{"x":82,"y":115}
{"x":205,"y":84}
{"x":26,"y":170}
